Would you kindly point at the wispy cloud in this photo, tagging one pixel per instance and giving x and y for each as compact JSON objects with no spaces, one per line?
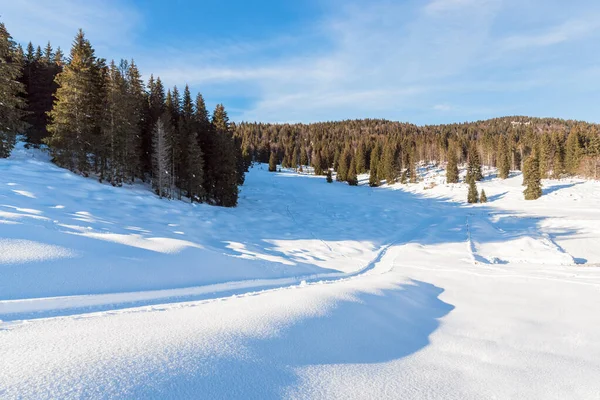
{"x":421,"y":61}
{"x":108,"y":24}
{"x":572,"y":29}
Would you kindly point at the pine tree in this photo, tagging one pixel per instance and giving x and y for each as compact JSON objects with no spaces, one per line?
{"x":472,"y":196}
{"x":452,"y":167}
{"x":136,"y":112}
{"x":482,"y":197}
{"x":361,"y":158}
{"x":503,"y":158}
{"x":574,"y":152}
{"x":316,"y":162}
{"x":273,"y":162}
{"x":11,"y":101}
{"x":303,"y":156}
{"x":412,"y":167}
{"x":77,"y":111}
{"x":474,"y":166}
{"x":342,"y":172}
{"x":531,"y":177}
{"x":388,"y":164}
{"x":206,"y":140}
{"x":161,"y":157}
{"x":225,"y":191}
{"x":351,"y":177}
{"x":374,"y":168}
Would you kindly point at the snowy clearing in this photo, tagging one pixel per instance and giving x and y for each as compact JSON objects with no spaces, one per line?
{"x":306,"y":290}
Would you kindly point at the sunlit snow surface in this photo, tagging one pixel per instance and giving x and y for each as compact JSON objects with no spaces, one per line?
{"x":306,"y":290}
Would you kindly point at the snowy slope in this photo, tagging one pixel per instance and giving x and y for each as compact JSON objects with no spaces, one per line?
{"x":306,"y":290}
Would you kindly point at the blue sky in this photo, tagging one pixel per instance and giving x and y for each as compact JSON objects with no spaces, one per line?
{"x":425,"y":62}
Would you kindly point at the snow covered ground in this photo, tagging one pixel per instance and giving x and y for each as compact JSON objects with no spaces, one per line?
{"x":306,"y":290}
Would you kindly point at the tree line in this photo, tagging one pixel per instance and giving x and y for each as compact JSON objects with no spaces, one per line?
{"x":392,"y":151}
{"x":101,"y":119}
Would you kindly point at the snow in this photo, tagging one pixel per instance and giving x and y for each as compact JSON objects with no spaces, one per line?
{"x":306,"y":290}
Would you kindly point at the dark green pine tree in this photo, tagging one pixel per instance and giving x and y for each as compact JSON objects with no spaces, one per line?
{"x":482,"y":197}
{"x":472,"y":195}
{"x":342,"y":171}
{"x":388,"y":168}
{"x":206,"y":139}
{"x":161,"y":156}
{"x":412,"y":167}
{"x":192,"y":158}
{"x":531,"y":177}
{"x":135,"y":104}
{"x":452,"y":167}
{"x":11,"y":91}
{"x":503,"y":158}
{"x":317,"y":162}
{"x":374,"y":167}
{"x":351,"y":178}
{"x":153,"y":108}
{"x":303,"y":157}
{"x":273,"y":161}
{"x":474,"y":166}
{"x":77,"y":112}
{"x":361,"y":158}
{"x":574,"y":152}
{"x":295,"y":158}
{"x":225,"y":190}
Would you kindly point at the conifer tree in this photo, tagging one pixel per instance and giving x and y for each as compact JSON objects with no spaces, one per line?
{"x":316,"y":162}
{"x":77,"y":109}
{"x":342,"y":171}
{"x":225,"y":191}
{"x":474,"y":166}
{"x":361,"y":158}
{"x":206,"y":140}
{"x":452,"y":167}
{"x":161,"y":157}
{"x":412,"y":167}
{"x":351,"y":178}
{"x":503,"y":158}
{"x":388,"y":164}
{"x":531,"y":177}
{"x":303,"y":156}
{"x":472,"y":196}
{"x":273,"y":162}
{"x":11,"y":102}
{"x":482,"y":197}
{"x":574,"y":152}
{"x":374,"y":167}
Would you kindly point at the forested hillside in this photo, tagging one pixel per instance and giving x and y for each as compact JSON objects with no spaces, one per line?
{"x":100,"y":119}
{"x":390,"y":150}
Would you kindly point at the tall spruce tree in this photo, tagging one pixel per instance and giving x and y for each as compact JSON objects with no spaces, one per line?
{"x":503,"y":158}
{"x":452,"y":167}
{"x":273,"y":161}
{"x":161,"y":157}
{"x":474,"y":166}
{"x":351,"y":178}
{"x":76,"y":115}
{"x":374,"y":168}
{"x":531,"y":177}
{"x":472,"y":195}
{"x":574,"y":152}
{"x":388,"y":168}
{"x":342,"y":171}
{"x":225,"y":190}
{"x":11,"y":91}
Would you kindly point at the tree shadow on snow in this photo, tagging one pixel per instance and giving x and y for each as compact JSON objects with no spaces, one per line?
{"x":373,"y":328}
